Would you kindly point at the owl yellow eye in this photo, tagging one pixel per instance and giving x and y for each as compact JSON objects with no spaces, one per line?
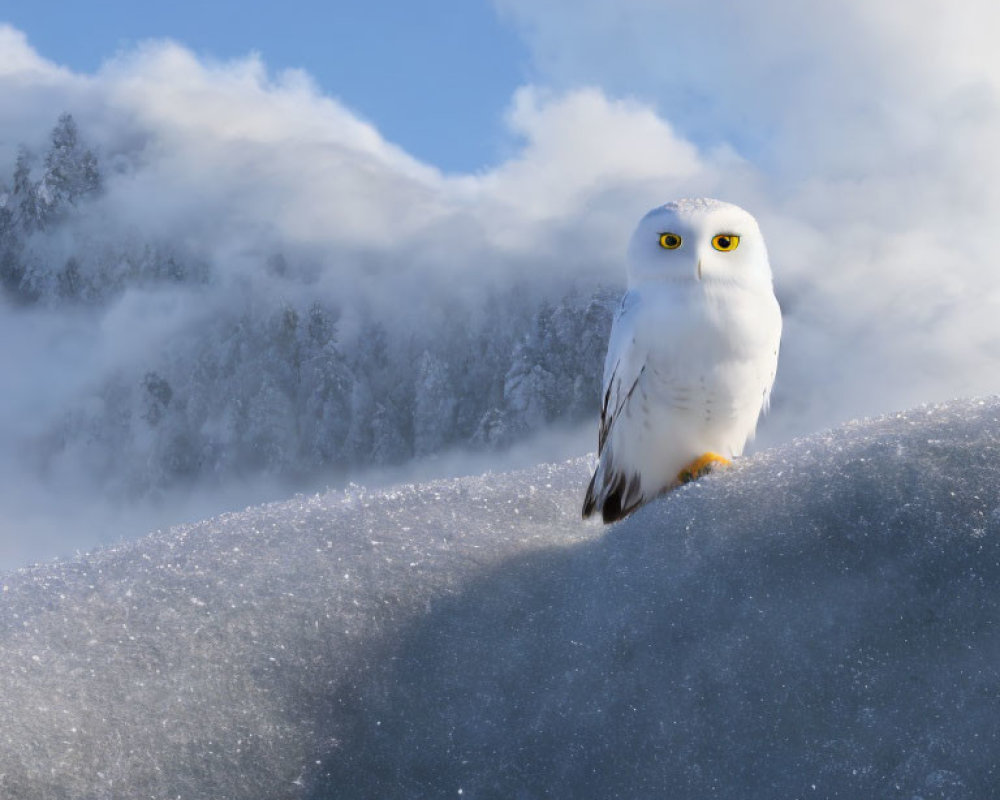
{"x":670,"y":241}
{"x":726,"y":242}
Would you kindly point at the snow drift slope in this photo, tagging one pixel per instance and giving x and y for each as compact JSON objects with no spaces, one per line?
{"x":821,"y":621}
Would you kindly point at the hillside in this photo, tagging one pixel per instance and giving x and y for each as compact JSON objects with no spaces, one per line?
{"x":820,"y":621}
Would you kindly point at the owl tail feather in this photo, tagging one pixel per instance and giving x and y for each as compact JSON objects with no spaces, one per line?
{"x":616,"y":497}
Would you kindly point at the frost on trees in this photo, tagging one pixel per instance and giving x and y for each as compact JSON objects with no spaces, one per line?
{"x":71,"y":170}
{"x":276,"y":391}
{"x":260,"y":379}
{"x":69,"y":174}
{"x":433,"y":406}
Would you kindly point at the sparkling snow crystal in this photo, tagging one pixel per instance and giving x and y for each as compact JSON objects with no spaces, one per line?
{"x":820,"y":621}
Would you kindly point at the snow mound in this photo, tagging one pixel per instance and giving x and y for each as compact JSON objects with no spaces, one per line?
{"x":820,"y":621}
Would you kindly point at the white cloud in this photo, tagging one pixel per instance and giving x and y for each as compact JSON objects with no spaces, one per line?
{"x":792,"y":82}
{"x":579,"y":144}
{"x":220,"y":150}
{"x":18,"y":58}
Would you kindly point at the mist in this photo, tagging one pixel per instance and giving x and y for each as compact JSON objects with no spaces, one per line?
{"x":248,"y":224}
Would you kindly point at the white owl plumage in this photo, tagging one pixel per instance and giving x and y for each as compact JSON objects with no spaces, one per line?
{"x":692,"y":354}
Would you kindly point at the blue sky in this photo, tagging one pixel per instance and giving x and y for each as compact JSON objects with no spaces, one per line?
{"x":435,"y":77}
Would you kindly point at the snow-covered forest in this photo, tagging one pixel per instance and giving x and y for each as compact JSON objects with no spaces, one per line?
{"x":266,"y":376}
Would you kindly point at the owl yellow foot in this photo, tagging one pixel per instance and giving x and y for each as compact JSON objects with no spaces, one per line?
{"x":701,"y":466}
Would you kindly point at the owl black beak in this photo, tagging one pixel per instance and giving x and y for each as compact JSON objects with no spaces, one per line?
{"x":699,"y":269}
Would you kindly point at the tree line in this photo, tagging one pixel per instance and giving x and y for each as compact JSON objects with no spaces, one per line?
{"x":272,"y":386}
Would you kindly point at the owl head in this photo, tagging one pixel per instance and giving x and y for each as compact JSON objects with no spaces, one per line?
{"x":696,"y":241}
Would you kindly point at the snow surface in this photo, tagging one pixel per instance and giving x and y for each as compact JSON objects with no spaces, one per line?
{"x":820,"y":621}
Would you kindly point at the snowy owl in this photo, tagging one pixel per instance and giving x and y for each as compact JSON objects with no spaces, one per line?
{"x":692,"y":353}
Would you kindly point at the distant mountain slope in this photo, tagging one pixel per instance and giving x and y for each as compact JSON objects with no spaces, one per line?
{"x":821,"y":621}
{"x":198,"y":363}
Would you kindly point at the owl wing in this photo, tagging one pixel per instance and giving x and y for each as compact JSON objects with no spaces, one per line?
{"x":623,"y":368}
{"x":611,"y":490}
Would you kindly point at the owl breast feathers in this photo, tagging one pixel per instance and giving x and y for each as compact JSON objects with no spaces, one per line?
{"x":692,"y":354}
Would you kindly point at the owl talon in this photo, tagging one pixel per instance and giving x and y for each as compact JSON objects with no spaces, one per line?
{"x":701,"y":466}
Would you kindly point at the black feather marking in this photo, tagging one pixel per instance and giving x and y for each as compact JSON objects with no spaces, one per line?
{"x":605,"y":427}
{"x":621,"y":496}
{"x":608,"y":419}
{"x":618,"y":496}
{"x":589,"y":500}
{"x":611,"y":509}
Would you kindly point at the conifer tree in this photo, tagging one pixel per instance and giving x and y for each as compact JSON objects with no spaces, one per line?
{"x":70,"y":169}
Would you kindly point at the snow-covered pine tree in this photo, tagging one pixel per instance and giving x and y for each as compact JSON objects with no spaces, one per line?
{"x":389,"y":444}
{"x":591,"y":339}
{"x":10,"y":248}
{"x":530,"y":392}
{"x":27,"y":207}
{"x":434,"y":406}
{"x":325,"y":392}
{"x":493,"y":431}
{"x":71,"y":170}
{"x":270,"y":441}
{"x":357,"y":446}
